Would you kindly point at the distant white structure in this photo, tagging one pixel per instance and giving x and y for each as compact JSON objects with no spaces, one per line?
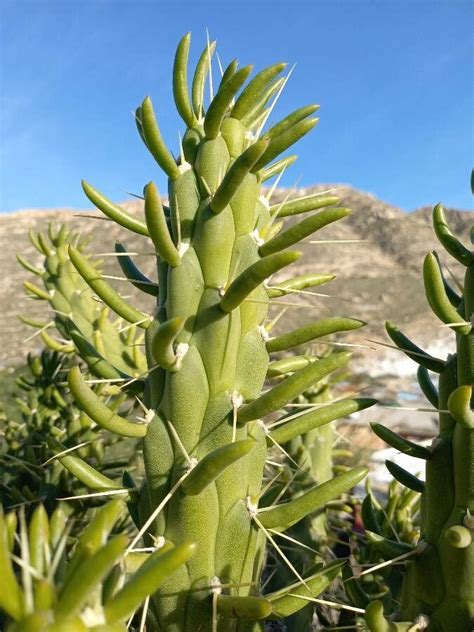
{"x":381,"y":477}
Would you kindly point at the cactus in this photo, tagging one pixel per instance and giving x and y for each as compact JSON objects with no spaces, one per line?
{"x":205,"y":443}
{"x":314,"y":451}
{"x":44,"y":409}
{"x":97,"y":586}
{"x":46,"y":412}
{"x":110,"y":349}
{"x":309,"y":461}
{"x":394,"y":518}
{"x":438,"y":589}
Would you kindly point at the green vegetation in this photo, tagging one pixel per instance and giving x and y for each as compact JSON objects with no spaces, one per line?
{"x":176,"y":471}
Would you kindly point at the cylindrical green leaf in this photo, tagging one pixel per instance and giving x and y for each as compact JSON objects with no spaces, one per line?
{"x":11,"y":599}
{"x":428,"y":388}
{"x":312,"y":332}
{"x":453,"y":296}
{"x":213,"y":464}
{"x":180,"y":81}
{"x":250,"y":119}
{"x":162,"y":344}
{"x":158,"y":227}
{"x":285,"y":603}
{"x":400,"y":443}
{"x":104,"y":291}
{"x":298,"y":283}
{"x":146,"y":581}
{"x":36,"y":291}
{"x":96,"y":363}
{"x":229,"y":71}
{"x":79,"y":468}
{"x":278,"y":368}
{"x":276,"y":168}
{"x":375,"y":619}
{"x":459,"y":405}
{"x":437,"y":297}
{"x":38,"y":538}
{"x":405,"y":478}
{"x":448,"y":240}
{"x":220,"y":103}
{"x":386,"y":547}
{"x":55,"y":345}
{"x":199,"y":79}
{"x":96,"y":534}
{"x":369,"y":518}
{"x":28,"y":266}
{"x":281,"y":143}
{"x":290,"y":120}
{"x":155,"y":143}
{"x":285,"y":392}
{"x":87,"y":577}
{"x":113,"y":211}
{"x":413,"y":351}
{"x":353,"y":589}
{"x":254,"y":276}
{"x":133,"y":272}
{"x":236,"y":175}
{"x":91,"y":404}
{"x":254,"y":89}
{"x":283,"y":516}
{"x":303,"y":229}
{"x":39,"y":324}
{"x":34,"y":240}
{"x":317,"y":417}
{"x":246,"y":607}
{"x":305,"y":204}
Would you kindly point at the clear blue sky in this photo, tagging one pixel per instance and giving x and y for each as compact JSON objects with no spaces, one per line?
{"x":394,"y":80}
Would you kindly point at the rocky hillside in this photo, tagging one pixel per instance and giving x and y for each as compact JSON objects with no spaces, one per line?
{"x":378,"y":276}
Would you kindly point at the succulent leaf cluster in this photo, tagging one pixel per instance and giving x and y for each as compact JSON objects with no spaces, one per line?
{"x":82,"y":321}
{"x":44,"y":424}
{"x":49,"y":419}
{"x":97,"y":586}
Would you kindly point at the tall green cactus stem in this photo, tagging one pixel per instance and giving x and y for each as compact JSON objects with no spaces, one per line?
{"x":208,"y":350}
{"x":439,"y":581}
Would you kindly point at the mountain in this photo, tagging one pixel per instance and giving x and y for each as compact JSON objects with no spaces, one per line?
{"x":378,"y":274}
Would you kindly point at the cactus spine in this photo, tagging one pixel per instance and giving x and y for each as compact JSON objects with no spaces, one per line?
{"x":217,"y":245}
{"x":438,"y":590}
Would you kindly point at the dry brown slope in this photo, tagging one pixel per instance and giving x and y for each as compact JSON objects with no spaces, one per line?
{"x":377,"y":278}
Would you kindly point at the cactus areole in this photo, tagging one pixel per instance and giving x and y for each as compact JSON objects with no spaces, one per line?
{"x":217,"y":244}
